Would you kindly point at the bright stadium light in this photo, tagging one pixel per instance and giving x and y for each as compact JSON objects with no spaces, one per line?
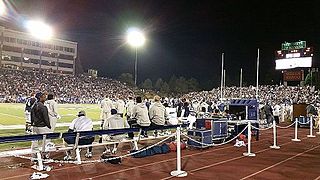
{"x":135,"y":37}
{"x":39,"y":29}
{"x":2,"y":8}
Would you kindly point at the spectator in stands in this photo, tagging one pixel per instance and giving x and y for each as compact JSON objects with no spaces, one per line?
{"x":140,"y":113}
{"x":115,"y":121}
{"x":52,"y":106}
{"x":157,"y":114}
{"x":16,"y":85}
{"x":82,"y":123}
{"x":31,"y":101}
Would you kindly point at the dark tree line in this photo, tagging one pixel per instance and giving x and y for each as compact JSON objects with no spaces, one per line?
{"x":175,"y":85}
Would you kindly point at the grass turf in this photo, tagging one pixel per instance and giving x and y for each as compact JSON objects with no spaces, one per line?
{"x":13,"y":113}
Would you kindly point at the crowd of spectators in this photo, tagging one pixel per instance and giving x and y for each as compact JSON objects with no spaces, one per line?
{"x":17,"y":85}
{"x":266,"y":93}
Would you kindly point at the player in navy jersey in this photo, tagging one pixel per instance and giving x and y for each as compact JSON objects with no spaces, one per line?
{"x":29,"y":104}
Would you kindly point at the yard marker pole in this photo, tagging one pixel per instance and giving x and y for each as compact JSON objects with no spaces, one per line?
{"x":311,"y":127}
{"x":221,"y":83}
{"x":274,"y":136}
{"x":249,"y":154}
{"x":178,"y":172}
{"x":296,"y":132}
{"x":240,"y":84}
{"x":224,"y":83}
{"x":257,"y":85}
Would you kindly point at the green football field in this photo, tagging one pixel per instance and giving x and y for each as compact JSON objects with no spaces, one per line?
{"x":13,"y":113}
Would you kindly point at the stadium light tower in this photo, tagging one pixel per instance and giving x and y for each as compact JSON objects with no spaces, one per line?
{"x":136,"y":39}
{"x":39,"y":29}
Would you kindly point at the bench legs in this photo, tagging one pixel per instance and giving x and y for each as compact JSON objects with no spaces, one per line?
{"x":135,"y":145}
{"x":78,"y":156}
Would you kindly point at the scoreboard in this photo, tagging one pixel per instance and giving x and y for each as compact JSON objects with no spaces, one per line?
{"x":294,"y":55}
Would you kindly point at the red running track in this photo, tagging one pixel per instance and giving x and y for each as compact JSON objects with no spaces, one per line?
{"x":294,"y":160}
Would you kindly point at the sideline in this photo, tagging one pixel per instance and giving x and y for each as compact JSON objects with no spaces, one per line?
{"x":6,"y":127}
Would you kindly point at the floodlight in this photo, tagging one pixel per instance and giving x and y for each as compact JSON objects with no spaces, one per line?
{"x":2,"y":8}
{"x":135,"y":37}
{"x":39,"y":29}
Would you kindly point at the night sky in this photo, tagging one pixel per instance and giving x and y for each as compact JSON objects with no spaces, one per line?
{"x":185,"y":38}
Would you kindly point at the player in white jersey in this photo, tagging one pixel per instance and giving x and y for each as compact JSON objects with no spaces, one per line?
{"x":106,"y":106}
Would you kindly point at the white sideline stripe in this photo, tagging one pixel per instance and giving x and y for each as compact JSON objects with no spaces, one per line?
{"x":158,"y":162}
{"x":317,"y":178}
{"x":279,"y":163}
{"x":15,"y":152}
{"x":2,"y":127}
{"x":10,"y":115}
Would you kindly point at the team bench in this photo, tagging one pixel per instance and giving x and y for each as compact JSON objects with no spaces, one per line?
{"x":77,"y":135}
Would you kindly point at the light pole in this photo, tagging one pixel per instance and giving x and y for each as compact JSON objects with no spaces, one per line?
{"x":136,"y":39}
{"x":3,"y":10}
{"x":240,"y":84}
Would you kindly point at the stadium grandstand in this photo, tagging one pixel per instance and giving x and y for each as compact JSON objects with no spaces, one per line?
{"x":20,"y":50}
{"x":17,"y":85}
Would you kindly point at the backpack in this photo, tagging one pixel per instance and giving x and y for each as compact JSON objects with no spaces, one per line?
{"x":112,"y":161}
{"x":173,"y":146}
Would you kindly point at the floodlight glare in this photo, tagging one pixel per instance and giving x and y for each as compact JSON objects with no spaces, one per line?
{"x":39,"y":30}
{"x":2,"y":8}
{"x":135,"y":37}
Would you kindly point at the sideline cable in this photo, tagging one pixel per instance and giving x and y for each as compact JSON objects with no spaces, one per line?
{"x":285,"y":127}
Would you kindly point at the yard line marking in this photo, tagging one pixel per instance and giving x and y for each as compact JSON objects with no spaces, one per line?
{"x":274,"y":165}
{"x":10,"y":115}
{"x":317,"y":178}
